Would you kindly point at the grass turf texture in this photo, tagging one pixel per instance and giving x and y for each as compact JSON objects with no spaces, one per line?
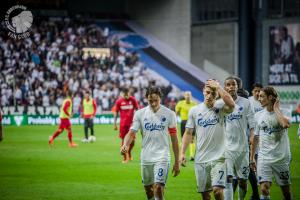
{"x":29,"y":169}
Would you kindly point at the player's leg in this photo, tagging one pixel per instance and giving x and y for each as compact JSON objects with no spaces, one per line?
{"x":149,"y":192}
{"x":182,"y":127}
{"x":242,"y":171}
{"x":160,"y":178}
{"x":286,"y":191}
{"x":205,"y":195}
{"x":242,"y":188}
{"x":265,"y":190}
{"x":92,"y":126}
{"x":57,"y":132}
{"x":148,"y":180}
{"x":281,"y":172}
{"x":228,"y":191}
{"x":131,"y":145}
{"x":218,"y":193}
{"x":85,"y":127}
{"x":203,"y":179}
{"x":123,"y":132}
{"x":159,"y":191}
{"x":70,"y":137}
{"x":253,"y":182}
{"x":92,"y":138}
{"x":218,"y":176}
{"x":264,"y":174}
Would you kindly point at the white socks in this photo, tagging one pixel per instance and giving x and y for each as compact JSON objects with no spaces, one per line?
{"x":228,"y":192}
{"x":263,"y":197}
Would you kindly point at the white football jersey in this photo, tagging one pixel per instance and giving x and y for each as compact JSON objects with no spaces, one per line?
{"x":274,"y":143}
{"x":236,"y":125}
{"x":155,"y":133}
{"x":209,"y":126}
{"x":255,"y":105}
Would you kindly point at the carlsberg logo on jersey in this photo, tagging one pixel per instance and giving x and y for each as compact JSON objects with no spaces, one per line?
{"x":271,"y":130}
{"x":154,"y":127}
{"x":234,"y":116}
{"x":208,"y":122}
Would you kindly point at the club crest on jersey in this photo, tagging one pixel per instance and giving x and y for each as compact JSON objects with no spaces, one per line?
{"x":154,"y":127}
{"x":208,"y":122}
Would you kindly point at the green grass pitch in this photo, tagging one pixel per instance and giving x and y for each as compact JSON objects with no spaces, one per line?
{"x":29,"y":169}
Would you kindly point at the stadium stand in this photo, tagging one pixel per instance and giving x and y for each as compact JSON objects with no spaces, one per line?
{"x":34,"y":71}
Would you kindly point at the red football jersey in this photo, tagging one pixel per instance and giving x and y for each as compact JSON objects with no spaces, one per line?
{"x":126,"y":107}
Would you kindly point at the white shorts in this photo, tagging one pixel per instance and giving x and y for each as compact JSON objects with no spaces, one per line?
{"x":237,"y":164}
{"x":155,"y":173}
{"x":280,"y":170}
{"x":210,"y":174}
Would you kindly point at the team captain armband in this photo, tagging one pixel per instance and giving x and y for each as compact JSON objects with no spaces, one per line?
{"x":173,"y":131}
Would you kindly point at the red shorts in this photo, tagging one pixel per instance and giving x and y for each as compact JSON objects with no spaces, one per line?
{"x":123,"y":131}
{"x":64,"y":124}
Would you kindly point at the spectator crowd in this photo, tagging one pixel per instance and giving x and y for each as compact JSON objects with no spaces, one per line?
{"x":34,"y":71}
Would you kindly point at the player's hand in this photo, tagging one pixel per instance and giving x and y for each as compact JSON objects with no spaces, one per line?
{"x":276,"y":104}
{"x":124,"y":149}
{"x":115,"y":127}
{"x":175,"y":169}
{"x":213,"y":84}
{"x":182,"y":161}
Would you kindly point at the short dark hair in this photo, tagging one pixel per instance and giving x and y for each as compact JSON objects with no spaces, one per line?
{"x":67,"y":93}
{"x":239,"y":81}
{"x":259,"y":85}
{"x":125,"y":89}
{"x":153,"y":90}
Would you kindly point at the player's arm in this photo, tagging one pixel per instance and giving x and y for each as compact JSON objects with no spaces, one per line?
{"x":95,"y":108}
{"x":283,"y":120}
{"x":254,"y":143}
{"x":116,"y":116}
{"x":115,"y":120}
{"x":127,"y":141}
{"x":186,"y":140}
{"x":175,"y":146}
{"x":66,"y":107}
{"x":228,"y":100}
{"x":131,"y":134}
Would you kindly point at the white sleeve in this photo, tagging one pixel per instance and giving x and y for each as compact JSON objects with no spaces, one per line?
{"x":219,"y":104}
{"x":173,"y":122}
{"x":256,"y":129}
{"x":190,"y":122}
{"x":136,"y":124}
{"x":250,"y":116}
